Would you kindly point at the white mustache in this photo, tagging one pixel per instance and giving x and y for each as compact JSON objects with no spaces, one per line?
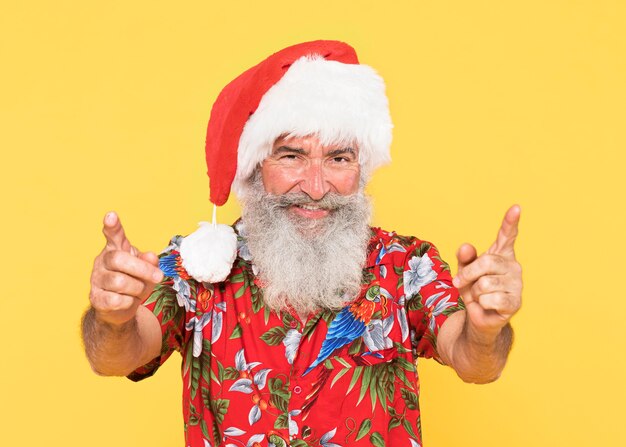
{"x":331,"y":201}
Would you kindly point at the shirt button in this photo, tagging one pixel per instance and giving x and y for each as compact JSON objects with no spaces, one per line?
{"x":297,"y":389}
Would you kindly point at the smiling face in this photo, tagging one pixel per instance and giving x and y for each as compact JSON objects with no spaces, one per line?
{"x":308,"y":254}
{"x":305,"y":165}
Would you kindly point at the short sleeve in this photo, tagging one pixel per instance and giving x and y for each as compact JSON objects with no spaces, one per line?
{"x":170,"y":303}
{"x":430,"y":296}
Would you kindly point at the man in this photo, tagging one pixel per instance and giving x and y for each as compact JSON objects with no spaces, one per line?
{"x":308,"y":333}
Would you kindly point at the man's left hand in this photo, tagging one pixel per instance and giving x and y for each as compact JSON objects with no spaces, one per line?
{"x":491,"y":284}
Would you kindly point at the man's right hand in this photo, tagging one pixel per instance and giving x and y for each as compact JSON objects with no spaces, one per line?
{"x":122,"y":276}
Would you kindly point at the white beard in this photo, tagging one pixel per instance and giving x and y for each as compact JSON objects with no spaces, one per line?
{"x":306,"y":264}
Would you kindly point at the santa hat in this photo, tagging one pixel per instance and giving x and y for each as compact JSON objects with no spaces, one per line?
{"x":313,"y":88}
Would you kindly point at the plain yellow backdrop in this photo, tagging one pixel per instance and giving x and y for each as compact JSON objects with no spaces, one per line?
{"x":103,"y":105}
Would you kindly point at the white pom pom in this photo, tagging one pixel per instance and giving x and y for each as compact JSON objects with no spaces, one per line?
{"x":209,"y":252}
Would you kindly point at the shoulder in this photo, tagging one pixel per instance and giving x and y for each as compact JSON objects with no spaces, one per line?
{"x":170,"y":262}
{"x":390,"y":247}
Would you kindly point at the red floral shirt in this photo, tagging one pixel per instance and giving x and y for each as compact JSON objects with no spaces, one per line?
{"x":254,"y":377}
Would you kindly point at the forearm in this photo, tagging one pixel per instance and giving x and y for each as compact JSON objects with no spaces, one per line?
{"x":112,"y":350}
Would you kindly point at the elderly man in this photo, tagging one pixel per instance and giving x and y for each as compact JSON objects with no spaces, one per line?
{"x":301,"y":325}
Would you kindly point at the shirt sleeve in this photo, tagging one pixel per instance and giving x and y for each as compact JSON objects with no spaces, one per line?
{"x":430,"y":297}
{"x":171,"y":303}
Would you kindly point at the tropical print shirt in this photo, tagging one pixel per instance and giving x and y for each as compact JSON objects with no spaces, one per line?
{"x":254,"y":377}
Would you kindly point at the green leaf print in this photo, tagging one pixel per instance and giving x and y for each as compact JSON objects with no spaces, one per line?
{"x":410,"y":398}
{"x":422,"y":249}
{"x":365,"y":382}
{"x":236,"y":332}
{"x":409,"y":429}
{"x":279,"y":394}
{"x":355,"y":377}
{"x":256,"y":296}
{"x":414,"y":303}
{"x":281,"y":422}
{"x":355,"y":346}
{"x":188,"y":357}
{"x":239,"y":293}
{"x":217,"y":436}
{"x":393,"y":423}
{"x":219,"y":407}
{"x":368,"y":276}
{"x":339,"y":375}
{"x":377,"y":440}
{"x":195,"y":376}
{"x":364,"y":429}
{"x":205,"y":430}
{"x":274,"y":336}
{"x":231,"y":373}
{"x":235,"y":279}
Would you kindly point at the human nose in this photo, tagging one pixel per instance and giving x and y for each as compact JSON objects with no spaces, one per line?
{"x":314,"y":183}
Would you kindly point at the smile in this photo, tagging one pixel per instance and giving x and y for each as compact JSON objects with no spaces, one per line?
{"x":310,"y":211}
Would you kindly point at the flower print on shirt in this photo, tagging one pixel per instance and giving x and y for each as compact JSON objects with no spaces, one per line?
{"x":421,"y":273}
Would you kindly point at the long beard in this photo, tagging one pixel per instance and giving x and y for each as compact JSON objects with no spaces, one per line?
{"x":307,"y":264}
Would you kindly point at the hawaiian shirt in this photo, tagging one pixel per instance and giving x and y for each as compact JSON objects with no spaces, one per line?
{"x":254,"y":377}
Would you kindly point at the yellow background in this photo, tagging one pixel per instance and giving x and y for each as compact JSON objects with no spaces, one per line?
{"x":103,"y":105}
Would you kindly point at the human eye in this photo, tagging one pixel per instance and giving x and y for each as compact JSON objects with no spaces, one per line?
{"x":288,"y":157}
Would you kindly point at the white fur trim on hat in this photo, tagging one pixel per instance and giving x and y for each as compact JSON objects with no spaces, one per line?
{"x":334,"y":101}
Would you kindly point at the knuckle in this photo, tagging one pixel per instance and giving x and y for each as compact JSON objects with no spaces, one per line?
{"x":483,"y":261}
{"x":485,"y":283}
{"x":95,"y":298}
{"x":113,"y":301}
{"x":508,"y":302}
{"x":493,"y":301}
{"x":117,"y":302}
{"x":493,"y":261}
{"x":116,"y":281}
{"x":117,"y":259}
{"x":501,"y":300}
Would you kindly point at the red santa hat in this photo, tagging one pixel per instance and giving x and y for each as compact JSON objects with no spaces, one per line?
{"x":313,"y":88}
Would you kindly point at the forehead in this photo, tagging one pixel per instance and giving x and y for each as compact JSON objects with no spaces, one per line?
{"x":311,"y":142}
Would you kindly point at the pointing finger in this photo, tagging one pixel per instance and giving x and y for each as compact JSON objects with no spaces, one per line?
{"x":505,"y":241}
{"x":114,"y":233}
{"x":120,"y":261}
{"x":486,"y":264}
{"x":121,"y":283}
